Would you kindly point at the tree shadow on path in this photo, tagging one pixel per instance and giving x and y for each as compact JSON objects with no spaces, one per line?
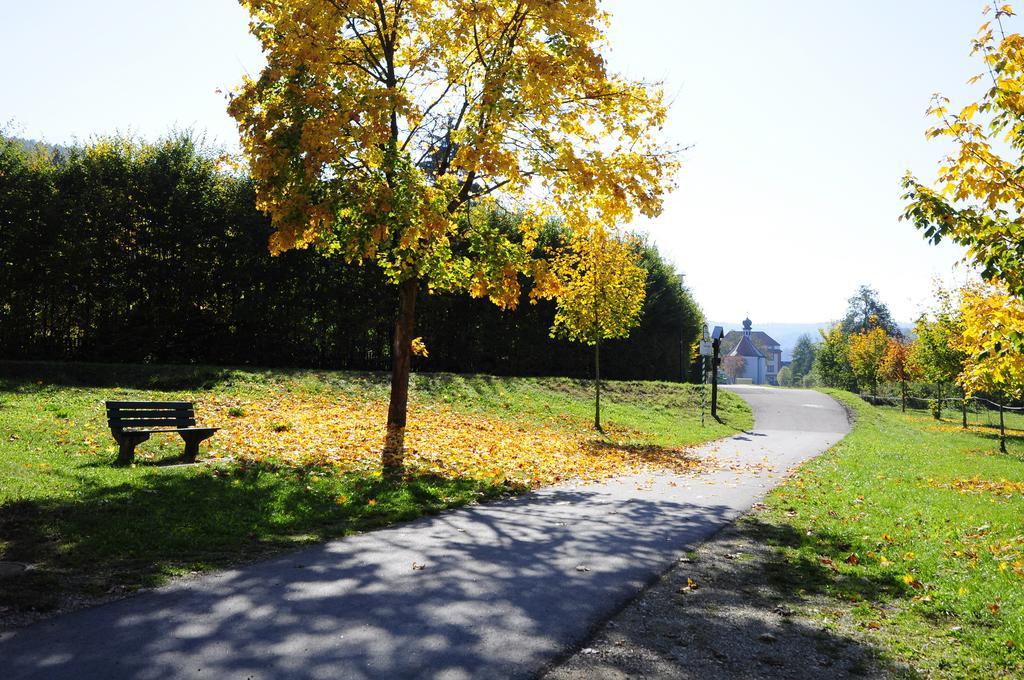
{"x":730,"y":610}
{"x":493,"y":590}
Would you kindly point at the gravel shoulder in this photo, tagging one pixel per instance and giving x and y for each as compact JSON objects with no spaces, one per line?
{"x":722,"y":611}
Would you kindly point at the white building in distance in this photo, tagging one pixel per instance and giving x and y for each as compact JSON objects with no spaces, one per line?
{"x":761,"y":355}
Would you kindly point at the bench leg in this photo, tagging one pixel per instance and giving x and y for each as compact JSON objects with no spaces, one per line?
{"x":192,"y":441}
{"x":191,"y":449}
{"x":126,"y":447}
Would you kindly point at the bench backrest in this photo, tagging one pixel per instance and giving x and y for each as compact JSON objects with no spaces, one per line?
{"x":130,"y":414}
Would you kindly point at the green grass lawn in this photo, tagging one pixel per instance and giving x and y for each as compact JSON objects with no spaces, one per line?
{"x":665,"y":414}
{"x":912,"y":533}
{"x":91,"y":529}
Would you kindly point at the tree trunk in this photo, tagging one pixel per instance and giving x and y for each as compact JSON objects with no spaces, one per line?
{"x":938,"y":402}
{"x":393,"y":455}
{"x":903,"y":394}
{"x":597,"y":386}
{"x":963,"y":409}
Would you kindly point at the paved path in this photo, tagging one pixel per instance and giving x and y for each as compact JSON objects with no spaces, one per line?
{"x":505,"y":589}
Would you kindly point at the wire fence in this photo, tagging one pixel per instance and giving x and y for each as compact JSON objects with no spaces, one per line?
{"x":975,"y":405}
{"x":969,"y":411}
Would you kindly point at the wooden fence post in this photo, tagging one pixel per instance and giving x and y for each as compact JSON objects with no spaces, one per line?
{"x":1002,"y":429}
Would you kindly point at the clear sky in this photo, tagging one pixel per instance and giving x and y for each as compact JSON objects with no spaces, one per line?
{"x":801,"y":119}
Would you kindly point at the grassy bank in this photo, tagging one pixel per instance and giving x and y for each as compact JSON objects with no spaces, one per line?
{"x":909,"y":537}
{"x":295,"y":462}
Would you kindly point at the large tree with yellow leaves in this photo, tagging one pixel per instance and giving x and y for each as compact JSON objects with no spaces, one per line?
{"x":979,"y":198}
{"x":378,"y":127}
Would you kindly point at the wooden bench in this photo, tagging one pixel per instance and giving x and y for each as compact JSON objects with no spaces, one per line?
{"x":131,"y":423}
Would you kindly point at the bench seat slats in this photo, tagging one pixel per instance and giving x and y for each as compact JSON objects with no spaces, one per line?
{"x":143,"y":430}
{"x":149,"y":404}
{"x":118,"y":423}
{"x":150,"y":413}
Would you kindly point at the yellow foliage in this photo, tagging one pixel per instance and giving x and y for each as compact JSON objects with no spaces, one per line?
{"x":601,"y":287}
{"x":899,"y":362}
{"x":379,"y":127}
{"x":343,"y":433}
{"x":419,"y":348}
{"x":978,"y":200}
{"x":991,"y":317}
{"x":1003,"y":487}
{"x":867,"y":352}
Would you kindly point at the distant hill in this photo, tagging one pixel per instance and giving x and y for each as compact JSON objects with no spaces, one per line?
{"x":30,"y":144}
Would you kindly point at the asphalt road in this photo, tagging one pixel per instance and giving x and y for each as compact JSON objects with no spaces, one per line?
{"x":500,"y":590}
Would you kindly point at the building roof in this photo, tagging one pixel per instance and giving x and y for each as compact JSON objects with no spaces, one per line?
{"x":746,"y":348}
{"x":732,"y":338}
{"x":764,"y":338}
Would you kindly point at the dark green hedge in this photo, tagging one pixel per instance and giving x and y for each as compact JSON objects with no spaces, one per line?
{"x":127,"y":252}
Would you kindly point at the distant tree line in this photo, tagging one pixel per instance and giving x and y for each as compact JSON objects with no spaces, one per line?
{"x":867,"y":349}
{"x":851,"y":354}
{"x":126,"y":251}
